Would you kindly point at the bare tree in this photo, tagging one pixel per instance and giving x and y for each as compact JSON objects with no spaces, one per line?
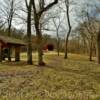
{"x":38,"y":13}
{"x":89,"y":27}
{"x":8,"y":9}
{"x":29,"y":48}
{"x":88,"y":35}
{"x":69,"y":30}
{"x":57,"y":23}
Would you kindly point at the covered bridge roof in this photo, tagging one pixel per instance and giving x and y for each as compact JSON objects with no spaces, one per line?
{"x":11,"y":40}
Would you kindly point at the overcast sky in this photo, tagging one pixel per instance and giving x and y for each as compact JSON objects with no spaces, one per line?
{"x":74,"y":10}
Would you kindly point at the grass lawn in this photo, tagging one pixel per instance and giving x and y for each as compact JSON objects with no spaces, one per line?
{"x":72,"y":79}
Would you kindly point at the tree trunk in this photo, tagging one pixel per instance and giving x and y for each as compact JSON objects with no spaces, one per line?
{"x":90,"y":54}
{"x":91,"y":49}
{"x":40,"y":51}
{"x":69,"y":31}
{"x":39,"y":42}
{"x":9,"y":34}
{"x":66,"y":42}
{"x":29,"y":54}
{"x":58,"y":42}
{"x":98,"y":47}
{"x":29,"y":48}
{"x":66,"y":48}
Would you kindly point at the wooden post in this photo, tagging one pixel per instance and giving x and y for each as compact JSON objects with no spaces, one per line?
{"x":9,"y":54}
{"x":17,"y":53}
{"x":0,"y":52}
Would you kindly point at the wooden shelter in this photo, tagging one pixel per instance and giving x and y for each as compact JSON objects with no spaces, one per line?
{"x":9,"y":42}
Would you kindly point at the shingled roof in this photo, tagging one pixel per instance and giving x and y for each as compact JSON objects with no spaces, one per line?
{"x":11,"y":40}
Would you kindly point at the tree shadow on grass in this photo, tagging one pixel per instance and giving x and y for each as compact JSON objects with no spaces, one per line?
{"x":83,"y":70}
{"x":13,"y":63}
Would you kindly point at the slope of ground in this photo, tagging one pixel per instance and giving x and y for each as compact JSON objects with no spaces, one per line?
{"x":72,"y":79}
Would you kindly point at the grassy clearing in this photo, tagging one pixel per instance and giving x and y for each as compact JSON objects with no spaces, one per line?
{"x":72,"y":79}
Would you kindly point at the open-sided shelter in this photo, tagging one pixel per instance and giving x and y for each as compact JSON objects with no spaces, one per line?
{"x":9,"y":42}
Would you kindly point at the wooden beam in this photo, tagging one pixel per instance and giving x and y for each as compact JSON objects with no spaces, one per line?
{"x":17,"y":53}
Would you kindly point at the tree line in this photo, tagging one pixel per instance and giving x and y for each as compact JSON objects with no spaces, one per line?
{"x":40,"y":16}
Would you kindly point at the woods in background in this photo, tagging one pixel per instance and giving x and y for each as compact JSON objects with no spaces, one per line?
{"x":39,"y":17}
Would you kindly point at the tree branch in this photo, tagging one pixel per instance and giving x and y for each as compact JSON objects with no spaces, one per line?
{"x":48,"y":7}
{"x":34,"y":7}
{"x":26,"y":4}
